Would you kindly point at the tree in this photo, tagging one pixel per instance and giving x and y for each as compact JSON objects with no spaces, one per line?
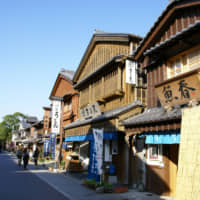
{"x":10,"y":123}
{"x":3,"y":132}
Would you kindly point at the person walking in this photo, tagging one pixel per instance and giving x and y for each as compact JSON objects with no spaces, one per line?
{"x":35,"y":156}
{"x":25,"y":158}
{"x":19,"y":156}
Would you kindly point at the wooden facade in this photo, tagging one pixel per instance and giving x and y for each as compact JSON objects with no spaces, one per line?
{"x":63,"y":88}
{"x":169,"y":55}
{"x":47,"y":120}
{"x":101,"y":78}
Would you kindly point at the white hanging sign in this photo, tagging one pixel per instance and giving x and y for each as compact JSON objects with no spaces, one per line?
{"x":56,"y":112}
{"x":107,"y":153}
{"x":98,"y":144}
{"x":131,"y":72}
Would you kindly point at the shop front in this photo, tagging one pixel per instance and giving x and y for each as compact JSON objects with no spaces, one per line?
{"x":115,"y":149}
{"x":107,"y":138}
{"x":154,"y":140}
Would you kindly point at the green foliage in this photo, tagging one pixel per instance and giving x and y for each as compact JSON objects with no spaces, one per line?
{"x":108,"y":186}
{"x":10,"y":123}
{"x":62,"y":164}
{"x":41,"y":160}
{"x":95,"y":184}
{"x":91,"y":182}
{"x":4,"y":132}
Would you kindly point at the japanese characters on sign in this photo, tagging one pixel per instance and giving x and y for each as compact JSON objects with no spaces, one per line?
{"x":56,"y":112}
{"x":53,"y":145}
{"x":90,"y":111}
{"x":98,"y":149}
{"x":184,"y":90}
{"x":46,"y":147}
{"x":180,"y":91}
{"x":131,"y":72}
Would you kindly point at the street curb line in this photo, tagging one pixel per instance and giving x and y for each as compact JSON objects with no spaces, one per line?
{"x":53,"y":186}
{"x":50,"y":184}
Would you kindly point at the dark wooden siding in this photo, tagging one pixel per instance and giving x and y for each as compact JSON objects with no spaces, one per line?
{"x":154,"y":76}
{"x":183,"y":18}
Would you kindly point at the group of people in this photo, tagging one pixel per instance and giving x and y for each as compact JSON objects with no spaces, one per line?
{"x":23,"y":154}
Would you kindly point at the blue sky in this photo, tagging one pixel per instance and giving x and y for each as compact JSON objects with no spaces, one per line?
{"x":39,"y":37}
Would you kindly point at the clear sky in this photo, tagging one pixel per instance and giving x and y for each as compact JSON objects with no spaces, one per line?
{"x":39,"y":37}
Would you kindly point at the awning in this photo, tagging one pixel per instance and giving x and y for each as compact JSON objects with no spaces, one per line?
{"x":106,"y":136}
{"x":162,"y":137}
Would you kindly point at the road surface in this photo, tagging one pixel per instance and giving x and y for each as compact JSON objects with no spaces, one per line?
{"x":19,"y":184}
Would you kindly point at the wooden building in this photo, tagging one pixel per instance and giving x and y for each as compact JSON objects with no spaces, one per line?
{"x":170,"y":56}
{"x":111,"y":90}
{"x":63,"y":89}
{"x":64,"y":92}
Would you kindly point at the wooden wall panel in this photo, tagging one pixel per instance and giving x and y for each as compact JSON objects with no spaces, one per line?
{"x":63,"y":88}
{"x":181,"y":21}
{"x":101,"y":54}
{"x":109,"y":84}
{"x":154,"y":76}
{"x":158,"y":177}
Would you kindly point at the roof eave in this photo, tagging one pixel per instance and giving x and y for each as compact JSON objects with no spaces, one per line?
{"x":98,"y":37}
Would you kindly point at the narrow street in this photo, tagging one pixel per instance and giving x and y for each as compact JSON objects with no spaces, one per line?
{"x":16,"y":183}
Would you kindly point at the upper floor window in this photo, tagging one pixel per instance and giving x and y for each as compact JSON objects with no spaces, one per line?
{"x":183,"y":63}
{"x":67,"y":106}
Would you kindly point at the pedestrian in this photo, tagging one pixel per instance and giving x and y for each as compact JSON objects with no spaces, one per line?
{"x":35,"y":156}
{"x":25,"y":158}
{"x":19,"y":156}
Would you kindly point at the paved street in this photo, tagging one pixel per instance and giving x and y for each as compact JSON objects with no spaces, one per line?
{"x":38,"y":184}
{"x":16,"y":183}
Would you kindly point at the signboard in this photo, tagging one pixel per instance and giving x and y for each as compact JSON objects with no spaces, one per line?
{"x":98,"y":146}
{"x":46,"y":122}
{"x":114,"y":147}
{"x":46,"y":147}
{"x":180,"y":91}
{"x":90,"y":111}
{"x":56,"y":112}
{"x":107,"y":153}
{"x":131,"y":72}
{"x":53,"y":145}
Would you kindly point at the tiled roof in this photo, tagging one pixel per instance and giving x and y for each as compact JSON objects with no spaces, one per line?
{"x":31,"y":119}
{"x":106,"y":115}
{"x":25,"y":125}
{"x":100,"y":36}
{"x":69,"y":74}
{"x":156,"y":23}
{"x":174,"y":37}
{"x":154,"y":115}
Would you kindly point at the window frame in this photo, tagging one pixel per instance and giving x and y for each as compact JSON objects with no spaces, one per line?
{"x":67,"y":106}
{"x":155,"y":161}
{"x":185,"y":62}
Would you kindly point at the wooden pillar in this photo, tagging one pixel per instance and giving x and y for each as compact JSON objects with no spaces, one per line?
{"x":119,"y":78}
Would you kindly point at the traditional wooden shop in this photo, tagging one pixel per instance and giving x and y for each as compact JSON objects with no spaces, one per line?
{"x":170,"y":56}
{"x":111,"y":90}
{"x":66,"y":98}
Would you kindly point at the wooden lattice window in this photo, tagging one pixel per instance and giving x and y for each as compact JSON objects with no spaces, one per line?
{"x":97,"y":89}
{"x":184,"y":63}
{"x":110,"y":82}
{"x":84,"y":97}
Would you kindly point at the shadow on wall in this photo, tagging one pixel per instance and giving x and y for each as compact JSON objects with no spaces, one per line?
{"x":154,"y":178}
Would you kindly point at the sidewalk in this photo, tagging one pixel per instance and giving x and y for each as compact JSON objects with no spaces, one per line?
{"x":74,"y":189}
